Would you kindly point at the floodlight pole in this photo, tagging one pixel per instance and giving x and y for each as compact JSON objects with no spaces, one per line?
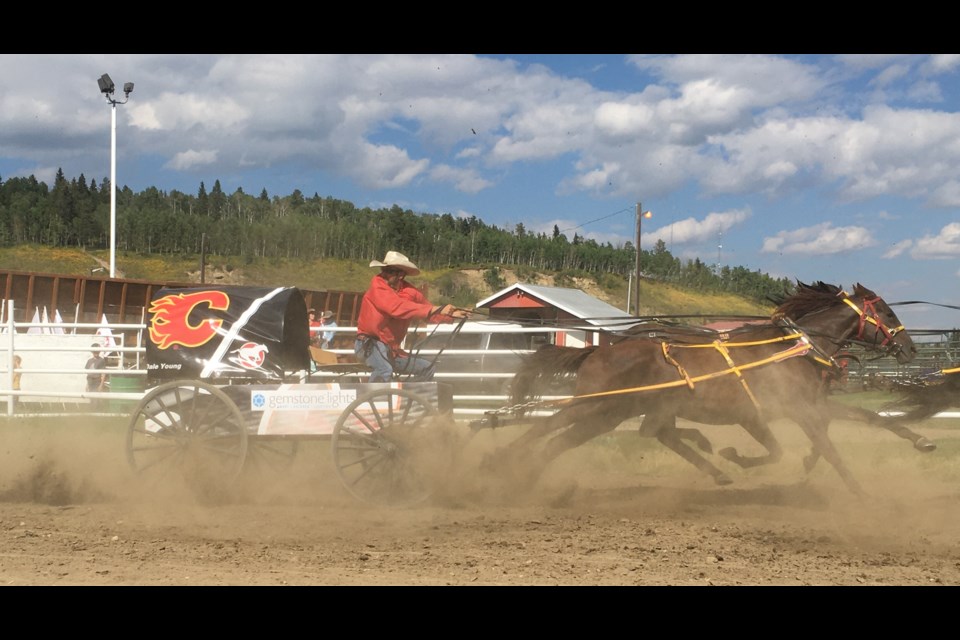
{"x":113,"y":188}
{"x":107,"y":89}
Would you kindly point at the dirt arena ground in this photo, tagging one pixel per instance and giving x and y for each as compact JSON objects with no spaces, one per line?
{"x":610,"y":513}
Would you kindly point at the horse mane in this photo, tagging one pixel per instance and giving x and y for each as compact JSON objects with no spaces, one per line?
{"x":809,"y":298}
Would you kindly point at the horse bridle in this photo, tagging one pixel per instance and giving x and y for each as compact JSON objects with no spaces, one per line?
{"x":870,"y":314}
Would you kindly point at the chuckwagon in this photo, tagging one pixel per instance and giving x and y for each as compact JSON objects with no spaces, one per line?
{"x":230,"y":387}
{"x":229,"y":375}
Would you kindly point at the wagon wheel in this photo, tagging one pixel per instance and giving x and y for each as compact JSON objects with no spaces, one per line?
{"x":389,"y":447}
{"x":187,"y":431}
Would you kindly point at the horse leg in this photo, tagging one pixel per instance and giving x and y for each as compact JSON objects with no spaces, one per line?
{"x":686,"y":433}
{"x":891,"y":424}
{"x":662,"y":426}
{"x":518,"y":461}
{"x":581,"y":432}
{"x":816,"y":429}
{"x":540,"y":428}
{"x":757,"y":428}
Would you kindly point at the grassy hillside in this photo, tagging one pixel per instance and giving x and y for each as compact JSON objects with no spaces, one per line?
{"x":462,"y":286}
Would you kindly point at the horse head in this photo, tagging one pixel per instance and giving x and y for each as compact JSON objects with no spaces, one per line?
{"x":878,"y":326}
{"x":825,"y":308}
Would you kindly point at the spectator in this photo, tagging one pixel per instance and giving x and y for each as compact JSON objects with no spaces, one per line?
{"x":97,"y":380}
{"x":314,"y":328}
{"x":326,"y":321}
{"x":17,"y":363}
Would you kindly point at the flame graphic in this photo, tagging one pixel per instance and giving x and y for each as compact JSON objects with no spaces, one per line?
{"x":170,"y":324}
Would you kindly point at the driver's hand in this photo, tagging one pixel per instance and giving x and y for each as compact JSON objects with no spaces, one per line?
{"x":450,"y":310}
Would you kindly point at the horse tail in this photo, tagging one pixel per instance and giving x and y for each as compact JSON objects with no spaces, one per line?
{"x":548,"y":365}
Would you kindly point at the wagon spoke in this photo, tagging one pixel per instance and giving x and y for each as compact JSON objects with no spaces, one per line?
{"x":174,"y":421}
{"x":362,"y":420}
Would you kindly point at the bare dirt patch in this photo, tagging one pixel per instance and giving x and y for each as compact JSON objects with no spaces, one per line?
{"x":71,"y":514}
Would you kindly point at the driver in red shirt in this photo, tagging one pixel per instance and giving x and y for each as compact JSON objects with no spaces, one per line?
{"x":387,"y":309}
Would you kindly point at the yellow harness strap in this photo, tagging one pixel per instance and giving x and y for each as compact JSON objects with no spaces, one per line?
{"x":665,"y":347}
{"x":733,"y":367}
{"x":799,"y":349}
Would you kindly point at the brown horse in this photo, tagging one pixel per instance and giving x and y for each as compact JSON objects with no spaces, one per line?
{"x":746,"y":376}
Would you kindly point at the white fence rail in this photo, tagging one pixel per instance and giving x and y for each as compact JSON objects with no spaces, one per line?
{"x":53,"y":377}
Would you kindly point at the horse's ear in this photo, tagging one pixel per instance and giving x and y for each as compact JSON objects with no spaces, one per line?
{"x":862,"y":291}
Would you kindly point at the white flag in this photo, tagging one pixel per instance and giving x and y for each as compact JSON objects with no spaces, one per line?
{"x":58,"y":320}
{"x":36,"y":318}
{"x":46,"y":320}
{"x":107,"y":335}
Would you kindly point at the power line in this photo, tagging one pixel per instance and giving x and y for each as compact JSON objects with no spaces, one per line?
{"x":597,"y":219}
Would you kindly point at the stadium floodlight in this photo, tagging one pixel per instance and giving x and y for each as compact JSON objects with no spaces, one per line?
{"x":107,"y":88}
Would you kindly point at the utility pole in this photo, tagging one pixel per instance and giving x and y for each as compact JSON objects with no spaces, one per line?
{"x":636,"y":276}
{"x":640,"y":215}
{"x":203,"y":258}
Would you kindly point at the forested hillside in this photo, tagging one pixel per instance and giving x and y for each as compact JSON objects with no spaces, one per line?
{"x":75,"y":213}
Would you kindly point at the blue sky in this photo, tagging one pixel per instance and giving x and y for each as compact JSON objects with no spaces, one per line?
{"x":841,"y":168}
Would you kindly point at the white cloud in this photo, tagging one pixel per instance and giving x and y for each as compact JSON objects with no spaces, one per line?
{"x":186,"y":111}
{"x":616,"y":119}
{"x":821,"y":239}
{"x":465,"y":180}
{"x":861,"y":61}
{"x":946,"y":194}
{"x":942,"y":63}
{"x":898,"y":249}
{"x":191,"y":159}
{"x":691,"y":230}
{"x":946,"y":244}
{"x":890,"y":74}
{"x":384,"y":166}
{"x":754,"y":80}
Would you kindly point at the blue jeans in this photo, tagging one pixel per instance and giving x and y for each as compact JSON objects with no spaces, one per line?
{"x":379,"y":360}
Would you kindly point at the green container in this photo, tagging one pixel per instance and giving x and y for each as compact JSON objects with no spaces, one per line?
{"x":125,"y":384}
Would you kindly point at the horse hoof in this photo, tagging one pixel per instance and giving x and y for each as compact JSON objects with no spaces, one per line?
{"x":925,"y":445}
{"x":722,"y":479}
{"x":729,"y":453}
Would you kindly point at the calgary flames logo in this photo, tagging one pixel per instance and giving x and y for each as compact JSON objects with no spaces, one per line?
{"x":170,"y":324}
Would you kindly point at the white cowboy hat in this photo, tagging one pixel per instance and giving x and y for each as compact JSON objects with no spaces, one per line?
{"x":398,"y":260}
